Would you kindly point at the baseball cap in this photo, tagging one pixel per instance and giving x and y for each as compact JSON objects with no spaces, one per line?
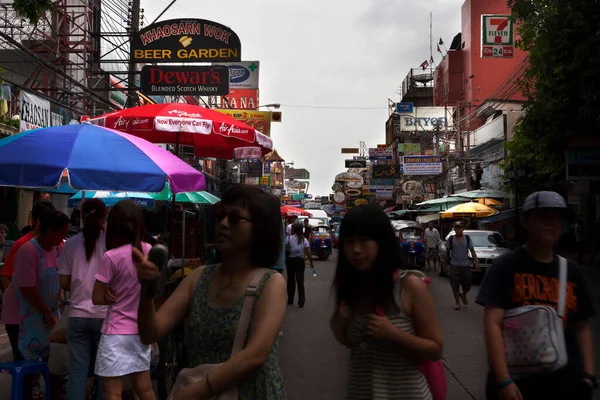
{"x":458,"y":224}
{"x":544,"y":200}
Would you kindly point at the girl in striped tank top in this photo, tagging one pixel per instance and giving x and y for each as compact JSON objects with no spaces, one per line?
{"x":385,"y":350}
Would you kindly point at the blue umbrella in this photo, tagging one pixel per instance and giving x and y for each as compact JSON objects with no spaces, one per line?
{"x":143,"y":200}
{"x":95,"y":158}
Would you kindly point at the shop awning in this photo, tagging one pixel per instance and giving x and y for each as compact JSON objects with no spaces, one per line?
{"x":498,"y":217}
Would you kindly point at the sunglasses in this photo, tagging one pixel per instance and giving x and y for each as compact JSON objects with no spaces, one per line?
{"x":233,"y":216}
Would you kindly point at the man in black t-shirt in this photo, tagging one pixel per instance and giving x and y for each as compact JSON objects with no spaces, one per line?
{"x":529,"y":276}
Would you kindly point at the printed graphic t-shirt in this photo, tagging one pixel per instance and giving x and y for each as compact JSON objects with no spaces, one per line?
{"x":516,"y":279}
{"x":118,"y":270}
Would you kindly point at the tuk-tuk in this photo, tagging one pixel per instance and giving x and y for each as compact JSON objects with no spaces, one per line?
{"x":411,"y":238}
{"x":321,"y":243}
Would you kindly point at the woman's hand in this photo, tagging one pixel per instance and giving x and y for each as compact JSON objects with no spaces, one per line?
{"x":50,"y":319}
{"x":147,"y":271}
{"x":380,"y":327}
{"x":511,"y":392}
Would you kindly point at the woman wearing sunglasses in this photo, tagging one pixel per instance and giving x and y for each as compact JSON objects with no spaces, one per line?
{"x":248,"y":238}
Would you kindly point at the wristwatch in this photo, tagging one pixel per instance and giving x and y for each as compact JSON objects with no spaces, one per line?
{"x":591,"y":378}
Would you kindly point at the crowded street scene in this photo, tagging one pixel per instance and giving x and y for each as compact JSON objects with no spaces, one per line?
{"x":266,"y":200}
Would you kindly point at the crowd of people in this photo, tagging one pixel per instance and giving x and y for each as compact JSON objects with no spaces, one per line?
{"x":234,"y":309}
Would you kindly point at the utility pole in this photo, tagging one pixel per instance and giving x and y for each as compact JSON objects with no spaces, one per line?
{"x":132,"y":99}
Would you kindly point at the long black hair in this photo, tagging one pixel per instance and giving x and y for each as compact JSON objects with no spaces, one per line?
{"x":264,"y":209}
{"x":372,"y":223}
{"x":94,"y":214}
{"x":125,"y":225}
{"x":53,"y":220}
{"x":298,"y":231}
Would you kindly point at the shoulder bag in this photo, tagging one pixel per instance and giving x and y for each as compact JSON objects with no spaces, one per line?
{"x":189,"y":376}
{"x":534,"y":337}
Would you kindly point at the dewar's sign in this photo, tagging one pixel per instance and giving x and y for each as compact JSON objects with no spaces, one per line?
{"x":186,"y":40}
{"x":185,"y":80}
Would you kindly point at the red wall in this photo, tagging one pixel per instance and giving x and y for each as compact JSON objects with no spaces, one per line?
{"x":489,"y":74}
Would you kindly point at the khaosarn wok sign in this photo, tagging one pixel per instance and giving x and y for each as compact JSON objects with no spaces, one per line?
{"x":185,"y":40}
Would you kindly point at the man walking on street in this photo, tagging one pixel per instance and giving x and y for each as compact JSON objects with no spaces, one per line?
{"x":458,"y":265}
{"x":530,"y":276}
{"x":432,"y":245}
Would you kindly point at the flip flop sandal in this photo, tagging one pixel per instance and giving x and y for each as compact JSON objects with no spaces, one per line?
{"x":464,"y":299}
{"x":456,"y":308}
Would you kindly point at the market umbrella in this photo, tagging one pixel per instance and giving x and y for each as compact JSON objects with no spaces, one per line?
{"x":211,"y":133}
{"x":489,"y":202}
{"x":109,"y":198}
{"x":287,"y":211}
{"x":186,"y":197}
{"x":483,"y":193}
{"x":442,"y":204}
{"x":95,"y":158}
{"x":466,"y":210}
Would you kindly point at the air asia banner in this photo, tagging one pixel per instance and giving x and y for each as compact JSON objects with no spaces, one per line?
{"x":259,"y":120}
{"x":186,"y":40}
{"x":183,"y":80}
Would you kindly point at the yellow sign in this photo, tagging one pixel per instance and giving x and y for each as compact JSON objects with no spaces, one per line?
{"x":259,"y":120}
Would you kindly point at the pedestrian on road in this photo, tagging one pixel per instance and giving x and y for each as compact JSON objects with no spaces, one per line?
{"x":307,"y":230}
{"x":38,"y":289}
{"x":432,"y":246}
{"x":249,"y":238}
{"x":385,"y":349}
{"x":10,"y":302}
{"x":121,"y":353}
{"x":458,"y":265}
{"x":5,"y":245}
{"x":299,"y":251}
{"x":530,"y":276}
{"x":79,"y":262}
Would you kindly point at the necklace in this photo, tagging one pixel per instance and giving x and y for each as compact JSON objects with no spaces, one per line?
{"x":224,"y":287}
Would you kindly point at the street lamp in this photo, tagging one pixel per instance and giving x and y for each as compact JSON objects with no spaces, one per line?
{"x":272,"y":105}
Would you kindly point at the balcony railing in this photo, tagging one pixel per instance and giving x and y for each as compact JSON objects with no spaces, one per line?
{"x":417,"y":78}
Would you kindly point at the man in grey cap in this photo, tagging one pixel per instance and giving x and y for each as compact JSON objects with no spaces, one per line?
{"x":529,"y":276}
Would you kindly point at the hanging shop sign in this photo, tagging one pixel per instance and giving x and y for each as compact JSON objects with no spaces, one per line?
{"x":240,"y":99}
{"x":181,"y":80}
{"x":386,"y":171}
{"x":267,"y":168}
{"x":243,"y":75}
{"x":346,"y":150}
{"x":265,"y":181}
{"x":422,"y":165}
{"x":349,"y":177}
{"x":297,"y":173}
{"x":405,"y":107}
{"x":497,"y":36}
{"x":381,"y":153}
{"x":353,"y":192}
{"x":255,"y":169}
{"x":409,"y":148}
{"x":412,"y":188}
{"x":336,"y":187}
{"x":247,"y":153}
{"x":35,"y":113}
{"x":426,"y":119}
{"x":356,"y":163}
{"x":259,"y":120}
{"x":185,"y":40}
{"x":583,"y":164}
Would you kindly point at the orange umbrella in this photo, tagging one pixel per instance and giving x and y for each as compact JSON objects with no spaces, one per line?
{"x":486,"y":201}
{"x":469,"y":210}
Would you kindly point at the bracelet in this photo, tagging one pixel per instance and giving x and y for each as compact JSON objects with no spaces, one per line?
{"x":211,"y":392}
{"x":505,"y":384}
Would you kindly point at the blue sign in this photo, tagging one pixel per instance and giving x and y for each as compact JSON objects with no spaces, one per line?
{"x":405,"y":107}
{"x":238,"y":74}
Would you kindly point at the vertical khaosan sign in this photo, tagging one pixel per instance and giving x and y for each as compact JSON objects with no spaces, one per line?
{"x":35,"y":113}
{"x":185,"y":41}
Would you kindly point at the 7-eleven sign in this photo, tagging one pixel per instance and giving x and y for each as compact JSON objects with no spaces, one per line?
{"x":497,"y":36}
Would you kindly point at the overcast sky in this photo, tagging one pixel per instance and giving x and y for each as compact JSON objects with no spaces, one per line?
{"x":327,"y":53}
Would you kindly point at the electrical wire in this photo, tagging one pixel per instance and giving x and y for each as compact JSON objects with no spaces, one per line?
{"x":333,"y":107}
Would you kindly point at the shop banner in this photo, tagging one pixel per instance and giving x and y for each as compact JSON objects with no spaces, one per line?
{"x":409,"y":148}
{"x":355,"y":163}
{"x":35,"y":113}
{"x":350,"y":150}
{"x":381,"y":154}
{"x":243,"y":75}
{"x":265,"y":181}
{"x":422,"y":165}
{"x":259,"y":120}
{"x":386,"y":172}
{"x":255,"y":169}
{"x":267,"y":168}
{"x":247,"y":153}
{"x":497,"y":36}
{"x":185,"y":40}
{"x":240,"y":99}
{"x":182,"y":80}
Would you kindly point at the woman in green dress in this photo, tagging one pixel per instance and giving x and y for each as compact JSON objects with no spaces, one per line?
{"x":248,"y":237}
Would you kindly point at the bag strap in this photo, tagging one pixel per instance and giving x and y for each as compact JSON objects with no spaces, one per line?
{"x":562,"y":285}
{"x":244,"y":321}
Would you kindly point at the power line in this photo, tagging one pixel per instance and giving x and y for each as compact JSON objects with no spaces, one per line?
{"x":332,"y":107}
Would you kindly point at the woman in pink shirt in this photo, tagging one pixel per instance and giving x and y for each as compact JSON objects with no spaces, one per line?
{"x":79,"y":262}
{"x":121,"y":352}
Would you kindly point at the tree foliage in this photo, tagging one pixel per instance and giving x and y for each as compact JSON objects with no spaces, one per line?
{"x":562,"y":83}
{"x":32,"y":10}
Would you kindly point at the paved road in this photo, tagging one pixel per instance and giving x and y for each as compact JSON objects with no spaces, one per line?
{"x":314,"y":364}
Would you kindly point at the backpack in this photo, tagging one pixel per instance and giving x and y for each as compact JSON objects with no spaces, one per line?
{"x":450,"y":241}
{"x":432,"y":370}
